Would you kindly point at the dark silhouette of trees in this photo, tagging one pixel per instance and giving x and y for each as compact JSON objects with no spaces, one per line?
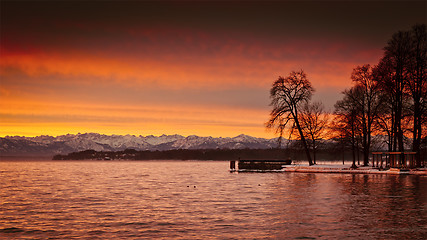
{"x":396,"y":56}
{"x":401,"y":75}
{"x":314,"y":124}
{"x":287,"y":97}
{"x":347,"y":123}
{"x":389,"y":98}
{"x":359,"y":109}
{"x":417,"y":85}
{"x":385,"y":120}
{"x":368,"y":103}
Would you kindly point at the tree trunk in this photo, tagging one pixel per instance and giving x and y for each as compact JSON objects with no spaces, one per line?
{"x":368,"y":146}
{"x":314,"y":151}
{"x":417,"y":132}
{"x":399,"y":130}
{"x":419,"y":162}
{"x":399,"y":110}
{"x":304,"y":143}
{"x":365,"y":147}
{"x":358,"y":153}
{"x":353,"y":149}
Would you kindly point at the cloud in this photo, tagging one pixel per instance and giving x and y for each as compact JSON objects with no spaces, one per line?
{"x":160,"y":67}
{"x":159,"y":119}
{"x":189,"y":61}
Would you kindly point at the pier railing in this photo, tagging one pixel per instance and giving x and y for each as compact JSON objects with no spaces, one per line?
{"x":395,"y":160}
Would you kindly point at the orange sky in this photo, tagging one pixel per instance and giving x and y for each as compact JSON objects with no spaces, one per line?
{"x":175,"y":68}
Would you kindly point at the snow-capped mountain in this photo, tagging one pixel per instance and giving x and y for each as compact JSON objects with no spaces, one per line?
{"x":153,"y":140}
{"x":48,"y":145}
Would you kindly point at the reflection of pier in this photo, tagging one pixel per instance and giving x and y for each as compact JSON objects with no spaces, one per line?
{"x":395,"y":160}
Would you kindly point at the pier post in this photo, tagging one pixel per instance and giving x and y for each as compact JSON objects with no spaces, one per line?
{"x":406,"y":161}
{"x":392,"y":160}
{"x":232,"y":165}
{"x":375,"y":160}
{"x":378,"y":160}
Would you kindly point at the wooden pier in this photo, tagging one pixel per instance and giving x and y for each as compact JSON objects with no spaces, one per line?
{"x":266,"y":164}
{"x":402,"y":160}
{"x":381,"y":159}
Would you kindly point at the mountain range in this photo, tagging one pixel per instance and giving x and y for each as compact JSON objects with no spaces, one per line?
{"x":49,"y":145}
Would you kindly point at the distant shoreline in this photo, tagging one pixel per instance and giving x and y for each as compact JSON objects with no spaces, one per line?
{"x":199,"y":154}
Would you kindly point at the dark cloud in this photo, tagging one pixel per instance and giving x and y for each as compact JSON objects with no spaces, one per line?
{"x":65,"y":23}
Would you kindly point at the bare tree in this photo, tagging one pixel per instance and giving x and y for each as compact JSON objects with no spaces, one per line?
{"x":383,"y":75}
{"x":314,"y":123}
{"x":347,"y":122}
{"x":416,"y":83}
{"x":401,"y":74}
{"x":385,"y":121}
{"x":287,"y":96}
{"x":368,"y":103}
{"x":396,"y":55}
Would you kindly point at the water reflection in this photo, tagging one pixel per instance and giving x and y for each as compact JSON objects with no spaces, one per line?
{"x":351,"y":206}
{"x":201,"y":200}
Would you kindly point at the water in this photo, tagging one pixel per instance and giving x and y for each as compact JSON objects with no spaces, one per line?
{"x":202,"y":200}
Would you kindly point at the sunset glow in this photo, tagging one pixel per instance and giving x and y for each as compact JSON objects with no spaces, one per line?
{"x":172,"y":67}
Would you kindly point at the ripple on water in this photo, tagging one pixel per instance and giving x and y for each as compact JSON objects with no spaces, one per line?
{"x":142,"y":200}
{"x":11,"y":230}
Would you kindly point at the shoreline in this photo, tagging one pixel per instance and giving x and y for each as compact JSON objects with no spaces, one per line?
{"x":342,"y":169}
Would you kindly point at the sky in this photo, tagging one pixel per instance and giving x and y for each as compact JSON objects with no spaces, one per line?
{"x":173,"y":67}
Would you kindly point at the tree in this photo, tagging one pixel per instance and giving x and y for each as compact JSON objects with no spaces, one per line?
{"x":347,"y":122}
{"x":368,"y":103}
{"x":383,"y":75}
{"x":416,"y":83}
{"x":401,"y":74}
{"x":396,"y":56}
{"x":287,"y":96}
{"x":386,"y":119}
{"x":314,"y":123}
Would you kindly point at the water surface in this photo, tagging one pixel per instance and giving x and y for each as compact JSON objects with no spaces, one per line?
{"x":202,"y":200}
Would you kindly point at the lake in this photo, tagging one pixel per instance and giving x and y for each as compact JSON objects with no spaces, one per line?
{"x":203,"y":200}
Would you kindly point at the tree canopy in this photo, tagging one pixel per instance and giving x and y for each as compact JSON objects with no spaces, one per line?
{"x":287,"y":97}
